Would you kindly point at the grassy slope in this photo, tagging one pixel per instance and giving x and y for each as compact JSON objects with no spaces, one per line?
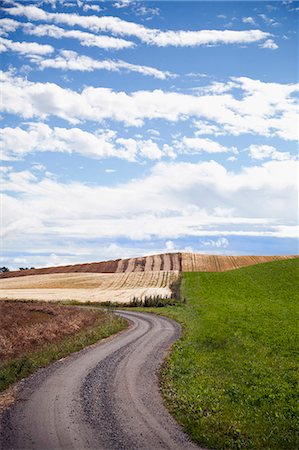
{"x":232,"y":379}
{"x":17,"y":368}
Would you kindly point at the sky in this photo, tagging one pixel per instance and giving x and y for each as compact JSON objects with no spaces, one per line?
{"x":134,"y":128}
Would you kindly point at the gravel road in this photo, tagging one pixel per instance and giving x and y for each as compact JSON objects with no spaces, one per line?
{"x":104,"y":397}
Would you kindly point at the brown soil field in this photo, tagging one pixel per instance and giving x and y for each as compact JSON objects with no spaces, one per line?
{"x":194,"y":262}
{"x":93,"y":287}
{"x":27,"y":327}
{"x":167,"y":261}
{"x":185,"y":262}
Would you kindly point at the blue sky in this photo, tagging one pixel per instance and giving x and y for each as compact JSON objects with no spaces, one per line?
{"x":132,"y":128}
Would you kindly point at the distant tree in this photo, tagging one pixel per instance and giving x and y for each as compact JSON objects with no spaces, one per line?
{"x":23,"y":268}
{"x":4,"y":269}
{"x":32,"y":267}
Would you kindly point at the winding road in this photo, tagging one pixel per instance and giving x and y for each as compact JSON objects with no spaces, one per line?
{"x":104,"y":397}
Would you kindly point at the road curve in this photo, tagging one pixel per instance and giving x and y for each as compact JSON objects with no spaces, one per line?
{"x":104,"y":397}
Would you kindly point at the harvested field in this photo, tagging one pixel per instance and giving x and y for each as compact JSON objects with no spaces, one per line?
{"x":167,"y":261}
{"x":194,"y":262}
{"x":185,"y":262}
{"x":83,"y":287}
{"x":27,"y":327}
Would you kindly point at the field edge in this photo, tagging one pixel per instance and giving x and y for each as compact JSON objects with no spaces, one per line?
{"x":14,"y":370}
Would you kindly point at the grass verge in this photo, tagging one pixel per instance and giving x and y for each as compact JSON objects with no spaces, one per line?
{"x":22,"y":366}
{"x":232,"y":380}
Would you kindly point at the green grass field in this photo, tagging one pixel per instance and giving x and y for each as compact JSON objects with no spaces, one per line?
{"x":232,"y":380}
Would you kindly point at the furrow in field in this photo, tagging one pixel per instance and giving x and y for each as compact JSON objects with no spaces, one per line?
{"x":221,"y":263}
{"x":166,"y":262}
{"x":157,"y":262}
{"x":131,"y":265}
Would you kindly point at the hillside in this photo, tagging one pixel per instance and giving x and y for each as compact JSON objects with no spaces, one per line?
{"x":232,"y":380}
{"x":182,"y":262}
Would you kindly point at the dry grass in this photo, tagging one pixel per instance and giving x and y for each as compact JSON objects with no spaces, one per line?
{"x":27,"y":327}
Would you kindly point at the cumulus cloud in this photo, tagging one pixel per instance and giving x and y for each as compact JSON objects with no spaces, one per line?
{"x":260,"y":108}
{"x":146,"y":148}
{"x":270,"y":44}
{"x":25,"y":48}
{"x":249,"y":20}
{"x":87,"y":7}
{"x":122,"y":4}
{"x":69,"y":60}
{"x":207,"y":201}
{"x":204,"y":127}
{"x":198,"y":145}
{"x":39,"y":137}
{"x":145,"y":11}
{"x":150,"y":36}
{"x":260,"y":152}
{"x":8,"y":26}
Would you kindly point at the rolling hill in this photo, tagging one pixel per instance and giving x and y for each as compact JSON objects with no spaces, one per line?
{"x":182,"y":262}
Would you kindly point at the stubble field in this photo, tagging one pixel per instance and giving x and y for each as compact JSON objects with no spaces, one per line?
{"x":89,"y":287}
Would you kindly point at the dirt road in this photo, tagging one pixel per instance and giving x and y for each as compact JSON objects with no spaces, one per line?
{"x":104,"y":397}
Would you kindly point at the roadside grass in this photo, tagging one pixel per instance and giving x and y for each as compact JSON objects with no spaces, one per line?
{"x":14,"y":369}
{"x":232,"y":379}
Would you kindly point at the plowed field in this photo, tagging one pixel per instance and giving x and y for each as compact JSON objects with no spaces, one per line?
{"x":94,"y":287}
{"x":194,"y":262}
{"x":185,"y":262}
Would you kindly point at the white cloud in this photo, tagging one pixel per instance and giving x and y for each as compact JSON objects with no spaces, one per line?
{"x":122,"y":4}
{"x":8,"y":26}
{"x":203,"y":127}
{"x":69,"y":60}
{"x":217,"y":87}
{"x":206,"y":201}
{"x":270,"y":44}
{"x":39,"y":167}
{"x":169,"y":245}
{"x":145,"y":11}
{"x":39,"y":137}
{"x":153,"y":132}
{"x":146,"y":148}
{"x":87,"y":7}
{"x":198,"y":145}
{"x":260,"y":152}
{"x":265,"y":109}
{"x":151,"y":36}
{"x":249,"y":20}
{"x":269,"y":21}
{"x":86,"y":39}
{"x":25,"y":48}
{"x":218,"y":243}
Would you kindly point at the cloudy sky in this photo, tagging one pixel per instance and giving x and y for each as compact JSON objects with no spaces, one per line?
{"x":132,"y":128}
